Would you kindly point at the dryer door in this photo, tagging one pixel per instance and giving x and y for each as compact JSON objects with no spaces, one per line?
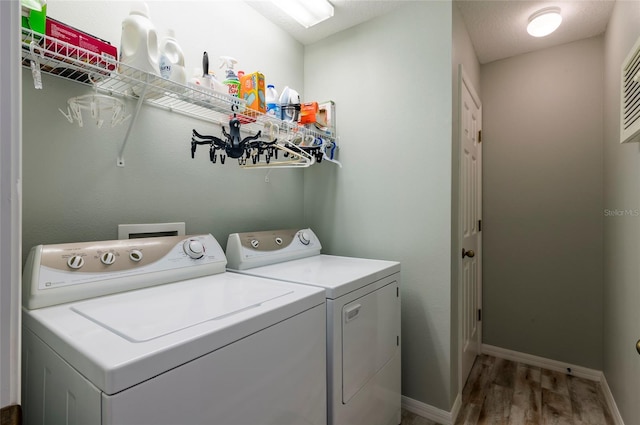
{"x":370,"y":336}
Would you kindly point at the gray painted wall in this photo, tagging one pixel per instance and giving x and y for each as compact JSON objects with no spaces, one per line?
{"x":621,"y":232}
{"x":392,"y":199}
{"x":463,"y":53}
{"x":73,"y":190}
{"x":542,"y":213}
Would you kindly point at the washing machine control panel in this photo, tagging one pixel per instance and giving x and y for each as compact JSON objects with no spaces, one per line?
{"x":254,"y":249}
{"x":82,"y":270}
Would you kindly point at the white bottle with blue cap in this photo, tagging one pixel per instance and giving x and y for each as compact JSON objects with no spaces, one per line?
{"x":272,"y":100}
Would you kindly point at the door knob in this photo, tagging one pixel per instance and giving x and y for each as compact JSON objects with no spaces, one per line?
{"x":469,"y":253}
{"x":638,"y":346}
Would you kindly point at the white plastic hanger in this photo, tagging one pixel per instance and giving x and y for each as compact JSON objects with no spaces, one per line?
{"x":299,"y":158}
{"x":331,"y":146}
{"x":97,"y":104}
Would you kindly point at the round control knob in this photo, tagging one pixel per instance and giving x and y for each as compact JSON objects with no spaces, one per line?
{"x":279,"y":241}
{"x":108,"y":258}
{"x":194,"y":249}
{"x":135,"y":255}
{"x":75,"y":262}
{"x":255,"y":243}
{"x":304,"y":238}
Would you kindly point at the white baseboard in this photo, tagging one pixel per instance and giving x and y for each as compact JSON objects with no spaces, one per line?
{"x":530,"y":359}
{"x":433,"y":413}
{"x":613,"y":407}
{"x":579,"y":371}
{"x":455,"y":410}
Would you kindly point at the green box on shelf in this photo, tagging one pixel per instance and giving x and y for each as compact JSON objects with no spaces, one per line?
{"x":34,"y":15}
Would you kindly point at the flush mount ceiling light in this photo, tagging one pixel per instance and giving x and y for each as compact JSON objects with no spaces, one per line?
{"x":544,"y":22}
{"x":307,"y":12}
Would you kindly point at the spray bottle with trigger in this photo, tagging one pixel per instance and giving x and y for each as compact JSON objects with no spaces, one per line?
{"x":231,"y":81}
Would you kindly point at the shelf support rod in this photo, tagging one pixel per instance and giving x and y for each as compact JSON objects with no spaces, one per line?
{"x":120,"y":160}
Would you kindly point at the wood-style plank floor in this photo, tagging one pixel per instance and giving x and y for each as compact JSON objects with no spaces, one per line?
{"x":503,"y":392}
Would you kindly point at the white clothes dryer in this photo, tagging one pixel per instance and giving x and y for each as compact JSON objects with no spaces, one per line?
{"x":363,"y":318}
{"x":154,"y":331}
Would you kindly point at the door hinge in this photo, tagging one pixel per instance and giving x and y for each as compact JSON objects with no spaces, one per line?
{"x":397,"y":340}
{"x":479,"y":225}
{"x":479,"y":136}
{"x":397,"y":292}
{"x":479,"y":315}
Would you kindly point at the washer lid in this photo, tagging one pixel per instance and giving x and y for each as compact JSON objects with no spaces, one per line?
{"x":120,"y":340}
{"x":338,"y":275}
{"x":141,"y":316}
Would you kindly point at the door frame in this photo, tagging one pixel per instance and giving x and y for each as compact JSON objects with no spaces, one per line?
{"x":10,"y":202}
{"x":464,"y":80}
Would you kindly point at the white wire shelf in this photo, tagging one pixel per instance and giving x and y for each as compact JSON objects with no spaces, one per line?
{"x":108,"y":76}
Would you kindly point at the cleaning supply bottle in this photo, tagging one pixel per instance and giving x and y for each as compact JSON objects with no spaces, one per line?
{"x":206,"y":78}
{"x":171,"y":63}
{"x":217,"y":85}
{"x":232,"y":82}
{"x":289,"y":105}
{"x":139,"y":41}
{"x":197,"y":80}
{"x":272,"y":100}
{"x":283,"y":101}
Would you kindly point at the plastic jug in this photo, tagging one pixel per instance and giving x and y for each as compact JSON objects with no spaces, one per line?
{"x":171,"y":63}
{"x":289,"y":105}
{"x":272,"y":100}
{"x":139,"y":41}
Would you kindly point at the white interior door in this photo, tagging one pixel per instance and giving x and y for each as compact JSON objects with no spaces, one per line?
{"x":470,"y":213}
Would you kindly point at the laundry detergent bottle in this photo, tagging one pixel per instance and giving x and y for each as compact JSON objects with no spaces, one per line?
{"x":139,"y":41}
{"x":171,"y":63}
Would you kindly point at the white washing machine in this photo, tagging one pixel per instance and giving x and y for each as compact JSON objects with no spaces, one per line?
{"x":363,"y":318}
{"x":154,"y":331}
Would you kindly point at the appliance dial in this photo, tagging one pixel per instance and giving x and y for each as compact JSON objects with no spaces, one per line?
{"x":255,"y":243}
{"x":135,"y":255}
{"x":279,"y":241}
{"x":108,"y":258}
{"x":304,"y":238}
{"x":193,"y":249}
{"x":75,"y":262}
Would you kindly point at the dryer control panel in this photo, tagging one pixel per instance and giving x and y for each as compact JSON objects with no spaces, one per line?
{"x":255,"y":249}
{"x":61,"y":273}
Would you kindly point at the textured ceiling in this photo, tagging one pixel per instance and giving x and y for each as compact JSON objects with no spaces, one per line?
{"x":497,"y":27}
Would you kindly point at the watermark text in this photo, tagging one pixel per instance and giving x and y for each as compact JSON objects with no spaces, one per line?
{"x":622,"y":212}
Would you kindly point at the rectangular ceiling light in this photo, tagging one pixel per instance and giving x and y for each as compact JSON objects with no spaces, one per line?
{"x":307,"y":12}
